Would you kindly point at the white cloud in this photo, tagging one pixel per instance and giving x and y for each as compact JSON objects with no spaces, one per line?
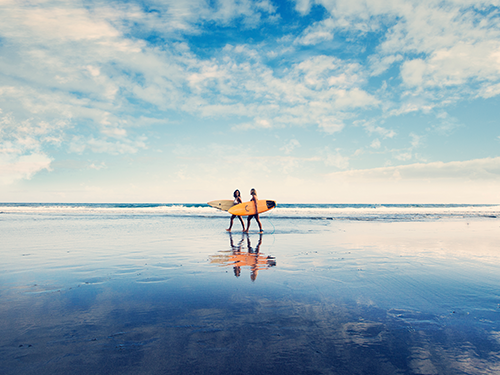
{"x":319,"y":32}
{"x":314,"y":91}
{"x":446,"y":123}
{"x":335,"y":159}
{"x":412,"y":72}
{"x":374,"y":129}
{"x":472,"y":181}
{"x":290,"y":146}
{"x":489,"y":91}
{"x":415,"y":140}
{"x":379,"y":64}
{"x":105,"y":53}
{"x":85,"y":70}
{"x":97,"y":167}
{"x":14,"y":167}
{"x":114,"y":132}
{"x":252,"y":12}
{"x":445,"y":49}
{"x":477,"y":169}
{"x":303,"y":6}
{"x":355,"y":98}
{"x":403,"y":156}
{"x":22,"y":143}
{"x":257,"y":124}
{"x":331,"y":125}
{"x":454,"y":65}
{"x":375,"y":143}
{"x":125,"y":146}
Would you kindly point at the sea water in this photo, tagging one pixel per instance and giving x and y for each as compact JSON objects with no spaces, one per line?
{"x":163,"y":288}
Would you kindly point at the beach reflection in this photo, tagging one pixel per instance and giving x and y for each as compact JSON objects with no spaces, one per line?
{"x":242,"y":254}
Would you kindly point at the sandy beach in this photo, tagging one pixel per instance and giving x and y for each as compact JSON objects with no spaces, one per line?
{"x":166,"y":294}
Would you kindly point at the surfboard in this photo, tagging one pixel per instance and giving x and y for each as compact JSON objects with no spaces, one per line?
{"x":224,"y":204}
{"x":248,"y":208}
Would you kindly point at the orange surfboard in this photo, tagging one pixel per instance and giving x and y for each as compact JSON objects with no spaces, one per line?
{"x":248,"y":208}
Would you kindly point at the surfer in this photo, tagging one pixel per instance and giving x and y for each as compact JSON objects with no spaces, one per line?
{"x":237,"y":200}
{"x":254,"y":198}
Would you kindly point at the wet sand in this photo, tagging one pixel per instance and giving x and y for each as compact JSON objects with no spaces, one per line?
{"x":154,"y":295}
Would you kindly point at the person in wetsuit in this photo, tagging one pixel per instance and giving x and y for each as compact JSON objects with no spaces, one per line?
{"x":237,"y":200}
{"x":254,"y":199}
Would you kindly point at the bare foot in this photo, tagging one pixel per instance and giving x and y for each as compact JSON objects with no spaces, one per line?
{"x":228,"y":230}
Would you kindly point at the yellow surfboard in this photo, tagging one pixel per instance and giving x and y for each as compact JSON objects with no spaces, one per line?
{"x":224,"y":204}
{"x":248,"y":208}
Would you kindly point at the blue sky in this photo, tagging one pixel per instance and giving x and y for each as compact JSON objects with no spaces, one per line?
{"x":307,"y":101}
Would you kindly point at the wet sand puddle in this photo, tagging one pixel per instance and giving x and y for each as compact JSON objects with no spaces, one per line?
{"x":129,"y":296}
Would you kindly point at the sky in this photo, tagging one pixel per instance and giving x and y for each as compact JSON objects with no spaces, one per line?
{"x":308,"y":101}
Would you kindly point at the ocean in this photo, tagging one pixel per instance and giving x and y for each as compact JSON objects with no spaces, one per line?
{"x":349,"y":212}
{"x":326,"y":289}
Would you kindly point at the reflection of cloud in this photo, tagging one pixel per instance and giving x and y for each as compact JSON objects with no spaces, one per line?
{"x":363,"y":333}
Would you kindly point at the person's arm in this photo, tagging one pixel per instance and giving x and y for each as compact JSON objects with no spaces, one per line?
{"x":254,"y":198}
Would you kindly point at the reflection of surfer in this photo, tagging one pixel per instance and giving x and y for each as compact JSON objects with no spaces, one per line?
{"x":255,"y":266}
{"x":237,"y":200}
{"x":254,"y":198}
{"x":236,"y":249}
{"x":251,"y":258}
{"x":238,"y":258}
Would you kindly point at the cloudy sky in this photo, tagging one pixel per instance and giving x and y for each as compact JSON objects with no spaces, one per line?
{"x":335,"y":101}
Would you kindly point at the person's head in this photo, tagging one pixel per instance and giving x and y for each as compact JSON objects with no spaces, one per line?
{"x":253,"y":274}
{"x":253,"y":192}
{"x":236,"y":193}
{"x":237,"y":271}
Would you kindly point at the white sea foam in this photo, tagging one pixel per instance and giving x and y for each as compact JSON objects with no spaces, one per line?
{"x":289,"y":211}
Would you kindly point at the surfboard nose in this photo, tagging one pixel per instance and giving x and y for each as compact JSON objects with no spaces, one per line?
{"x":270,"y":204}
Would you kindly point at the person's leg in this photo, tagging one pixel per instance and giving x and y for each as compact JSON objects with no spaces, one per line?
{"x":231,"y":223}
{"x":248,"y":223}
{"x":258,"y":222}
{"x":242,"y":223}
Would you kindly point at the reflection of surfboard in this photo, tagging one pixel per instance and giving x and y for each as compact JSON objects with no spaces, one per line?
{"x":243,"y":259}
{"x":223,"y":205}
{"x":248,"y":208}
